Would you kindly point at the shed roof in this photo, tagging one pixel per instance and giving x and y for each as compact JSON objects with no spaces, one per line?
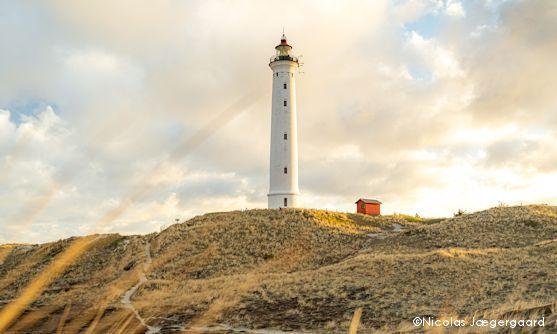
{"x":369,"y":201}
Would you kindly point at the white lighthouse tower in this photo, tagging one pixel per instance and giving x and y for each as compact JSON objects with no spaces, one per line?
{"x":283,"y":174}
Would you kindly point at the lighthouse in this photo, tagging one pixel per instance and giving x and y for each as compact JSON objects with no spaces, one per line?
{"x":283,"y":173}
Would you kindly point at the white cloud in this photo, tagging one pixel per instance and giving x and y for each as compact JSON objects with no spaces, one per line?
{"x":346,"y":152}
{"x":412,"y":118}
{"x":7,"y":128}
{"x":43,"y":128}
{"x":411,"y":10}
{"x":53,"y":185}
{"x":391,"y":73}
{"x":454,"y":8}
{"x":440,"y":60}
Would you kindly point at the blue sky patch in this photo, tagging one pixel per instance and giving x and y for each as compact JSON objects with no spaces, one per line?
{"x":427,"y":26}
{"x":27,"y":107}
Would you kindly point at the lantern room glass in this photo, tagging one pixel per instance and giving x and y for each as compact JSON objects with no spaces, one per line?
{"x":283,"y":50}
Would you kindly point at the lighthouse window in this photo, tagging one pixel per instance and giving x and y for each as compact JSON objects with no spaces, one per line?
{"x":285,"y":103}
{"x":285,"y":170}
{"x":285,"y":136}
{"x":284,"y":86}
{"x":285,"y":202}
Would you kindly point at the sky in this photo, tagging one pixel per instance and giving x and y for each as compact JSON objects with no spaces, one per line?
{"x":123,"y":116}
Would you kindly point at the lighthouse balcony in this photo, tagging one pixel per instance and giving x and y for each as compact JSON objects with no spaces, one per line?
{"x":277,"y":58}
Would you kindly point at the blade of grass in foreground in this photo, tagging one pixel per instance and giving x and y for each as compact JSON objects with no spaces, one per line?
{"x":355,"y":323}
{"x":14,"y":309}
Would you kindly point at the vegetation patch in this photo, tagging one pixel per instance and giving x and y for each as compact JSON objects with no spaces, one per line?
{"x":299,"y":269}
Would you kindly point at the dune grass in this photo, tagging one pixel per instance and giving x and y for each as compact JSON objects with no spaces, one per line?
{"x":301,"y":269}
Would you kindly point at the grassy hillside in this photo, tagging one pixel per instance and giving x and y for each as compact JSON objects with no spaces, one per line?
{"x":297,"y":270}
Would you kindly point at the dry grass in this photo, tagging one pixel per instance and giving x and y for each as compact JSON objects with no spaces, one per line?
{"x":304,"y":269}
{"x":5,"y":250}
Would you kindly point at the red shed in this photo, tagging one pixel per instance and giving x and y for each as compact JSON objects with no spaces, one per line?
{"x":368,"y":206}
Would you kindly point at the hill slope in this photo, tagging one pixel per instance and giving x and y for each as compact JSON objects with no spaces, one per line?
{"x":297,"y":269}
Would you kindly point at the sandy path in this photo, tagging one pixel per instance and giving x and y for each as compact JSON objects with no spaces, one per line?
{"x":126,"y":298}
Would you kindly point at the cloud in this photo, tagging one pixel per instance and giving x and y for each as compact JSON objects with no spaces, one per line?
{"x":414,"y":102}
{"x":7,"y":128}
{"x":439,"y":60}
{"x":412,"y":10}
{"x":454,"y":8}
{"x":510,"y":65}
